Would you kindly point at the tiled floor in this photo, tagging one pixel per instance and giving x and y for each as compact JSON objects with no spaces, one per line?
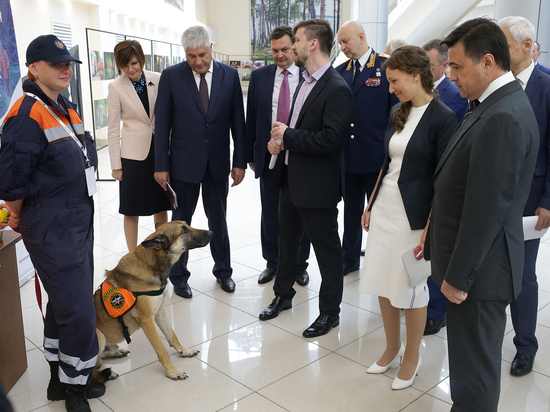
{"x":248,"y":365}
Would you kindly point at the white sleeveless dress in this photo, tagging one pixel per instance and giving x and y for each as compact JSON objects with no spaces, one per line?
{"x":390,"y":234}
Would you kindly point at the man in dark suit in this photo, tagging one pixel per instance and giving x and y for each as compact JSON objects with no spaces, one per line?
{"x":520,"y":34}
{"x":450,"y":95}
{"x":199,"y":101}
{"x":269,"y":98}
{"x":312,"y":182}
{"x":535,"y":56}
{"x":448,"y":92}
{"x":364,"y":149}
{"x":476,"y":235}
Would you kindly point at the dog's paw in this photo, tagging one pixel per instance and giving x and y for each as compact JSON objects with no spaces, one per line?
{"x":120,"y":353}
{"x":104,"y":375}
{"x":188,"y":353}
{"x":176,"y":375}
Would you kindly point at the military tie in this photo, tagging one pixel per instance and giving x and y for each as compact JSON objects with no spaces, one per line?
{"x":357,"y":71}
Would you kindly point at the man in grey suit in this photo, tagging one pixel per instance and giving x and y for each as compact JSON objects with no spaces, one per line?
{"x":476,"y":234}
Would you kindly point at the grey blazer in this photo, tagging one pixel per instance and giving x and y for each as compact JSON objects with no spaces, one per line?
{"x":481,"y":185}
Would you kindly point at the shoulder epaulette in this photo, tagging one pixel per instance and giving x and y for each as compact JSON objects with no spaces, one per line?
{"x":384,"y":55}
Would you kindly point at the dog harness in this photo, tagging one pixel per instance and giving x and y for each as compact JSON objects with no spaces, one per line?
{"x":117,"y":301}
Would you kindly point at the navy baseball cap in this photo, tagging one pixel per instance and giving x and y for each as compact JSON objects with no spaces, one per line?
{"x":48,"y":48}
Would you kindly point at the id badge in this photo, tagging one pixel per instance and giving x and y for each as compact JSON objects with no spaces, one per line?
{"x":90,"y":181}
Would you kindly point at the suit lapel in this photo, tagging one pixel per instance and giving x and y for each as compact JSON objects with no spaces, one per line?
{"x":317,"y":88}
{"x":532,"y":84}
{"x":129,"y":89}
{"x":267,"y":88}
{"x":367,"y":72}
{"x":189,"y":80}
{"x":347,"y":74}
{"x":217,"y":78}
{"x":469,"y":120}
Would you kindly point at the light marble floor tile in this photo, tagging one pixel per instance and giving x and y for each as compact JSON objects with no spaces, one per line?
{"x":334,"y":383}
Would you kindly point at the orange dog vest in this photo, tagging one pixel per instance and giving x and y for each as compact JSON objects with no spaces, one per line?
{"x":117,"y":301}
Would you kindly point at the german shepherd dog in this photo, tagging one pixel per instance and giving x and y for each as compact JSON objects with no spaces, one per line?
{"x":145,"y":269}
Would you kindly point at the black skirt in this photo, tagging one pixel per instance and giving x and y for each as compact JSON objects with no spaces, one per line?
{"x":140,"y":194}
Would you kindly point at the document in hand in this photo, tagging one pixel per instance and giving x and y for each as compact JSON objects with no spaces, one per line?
{"x":529,"y":232}
{"x":418,"y":270}
{"x":172,"y":196}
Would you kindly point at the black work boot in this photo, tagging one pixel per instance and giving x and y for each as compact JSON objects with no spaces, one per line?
{"x":76,"y":400}
{"x":57,"y":390}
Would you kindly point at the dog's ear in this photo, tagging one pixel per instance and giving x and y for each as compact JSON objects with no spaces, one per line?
{"x":158,"y":242}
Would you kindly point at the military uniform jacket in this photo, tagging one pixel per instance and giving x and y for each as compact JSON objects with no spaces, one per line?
{"x":364,"y":148}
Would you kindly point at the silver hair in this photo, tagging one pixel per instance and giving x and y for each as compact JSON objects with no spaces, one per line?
{"x":395,"y":43}
{"x":520,"y":28}
{"x":195,"y":37}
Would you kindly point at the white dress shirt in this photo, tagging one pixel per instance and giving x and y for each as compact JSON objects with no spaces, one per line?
{"x":208,"y":78}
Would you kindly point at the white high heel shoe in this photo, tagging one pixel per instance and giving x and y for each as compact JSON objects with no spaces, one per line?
{"x":376,"y":368}
{"x":401,"y":384}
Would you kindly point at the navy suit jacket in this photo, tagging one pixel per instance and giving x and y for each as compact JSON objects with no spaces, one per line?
{"x":259,"y":111}
{"x":187,"y":139}
{"x":450,"y":95}
{"x":425,"y":148}
{"x":538,"y":93}
{"x":543,"y":68}
{"x":364,"y":149}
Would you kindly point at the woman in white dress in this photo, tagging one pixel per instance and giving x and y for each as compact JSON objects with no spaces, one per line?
{"x":397,"y":216}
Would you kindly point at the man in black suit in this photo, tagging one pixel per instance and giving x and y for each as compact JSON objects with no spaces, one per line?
{"x":312,"y":182}
{"x":268,"y":86}
{"x":481,"y":185}
{"x":520,"y":34}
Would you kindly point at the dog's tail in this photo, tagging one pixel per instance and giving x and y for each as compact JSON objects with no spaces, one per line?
{"x":103,"y":375}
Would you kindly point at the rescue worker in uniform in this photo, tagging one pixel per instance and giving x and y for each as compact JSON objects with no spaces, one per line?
{"x":47,"y":164}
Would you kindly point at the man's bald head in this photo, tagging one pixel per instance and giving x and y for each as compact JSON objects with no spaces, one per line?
{"x":352,"y":39}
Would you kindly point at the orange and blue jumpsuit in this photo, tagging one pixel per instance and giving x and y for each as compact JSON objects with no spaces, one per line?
{"x":44,"y":166}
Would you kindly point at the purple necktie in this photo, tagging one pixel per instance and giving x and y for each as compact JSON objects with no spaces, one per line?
{"x":283,"y":105}
{"x":203,"y":91}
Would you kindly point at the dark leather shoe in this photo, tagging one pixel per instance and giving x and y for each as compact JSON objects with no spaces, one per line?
{"x":433,"y":326}
{"x":227,"y":284}
{"x":183,"y":290}
{"x":522,"y":365}
{"x":57,"y":391}
{"x":267,"y":276}
{"x":322,"y":325}
{"x":303,"y":278}
{"x":277,"y":306}
{"x":348,"y":270}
